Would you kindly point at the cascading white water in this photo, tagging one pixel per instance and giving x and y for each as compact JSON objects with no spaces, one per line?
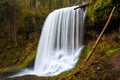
{"x":60,"y":43}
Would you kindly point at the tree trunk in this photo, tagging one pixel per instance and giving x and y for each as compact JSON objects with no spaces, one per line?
{"x":14,"y":24}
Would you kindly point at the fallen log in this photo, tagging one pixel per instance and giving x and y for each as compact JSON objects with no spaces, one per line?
{"x":99,"y":37}
{"x":82,"y":5}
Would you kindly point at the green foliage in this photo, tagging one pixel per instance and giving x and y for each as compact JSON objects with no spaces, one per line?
{"x":98,"y":13}
{"x":98,"y":5}
{"x":111,"y":52}
{"x":85,"y":51}
{"x":30,"y":18}
{"x":29,"y":21}
{"x":27,"y":60}
{"x":23,"y":56}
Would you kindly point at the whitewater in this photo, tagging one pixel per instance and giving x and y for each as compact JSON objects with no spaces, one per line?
{"x":60,"y":43}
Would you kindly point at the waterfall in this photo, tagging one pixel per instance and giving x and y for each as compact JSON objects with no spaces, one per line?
{"x":60,"y":43}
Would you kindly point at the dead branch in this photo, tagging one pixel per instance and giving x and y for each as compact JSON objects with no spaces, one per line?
{"x":82,"y":5}
{"x":98,"y":39}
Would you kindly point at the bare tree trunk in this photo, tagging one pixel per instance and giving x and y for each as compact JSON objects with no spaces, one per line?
{"x":27,"y":3}
{"x":50,"y":5}
{"x":14,"y":24}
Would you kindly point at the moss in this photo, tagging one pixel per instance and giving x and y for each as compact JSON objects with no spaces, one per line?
{"x":110,"y":53}
{"x":23,"y":54}
{"x":85,"y":51}
{"x":24,"y":63}
{"x":99,"y":64}
{"x":96,"y":69}
{"x":98,"y":13}
{"x":27,"y":60}
{"x":98,"y":5}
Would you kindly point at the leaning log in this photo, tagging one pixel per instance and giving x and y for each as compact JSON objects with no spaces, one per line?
{"x":82,"y":5}
{"x":98,"y":39}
